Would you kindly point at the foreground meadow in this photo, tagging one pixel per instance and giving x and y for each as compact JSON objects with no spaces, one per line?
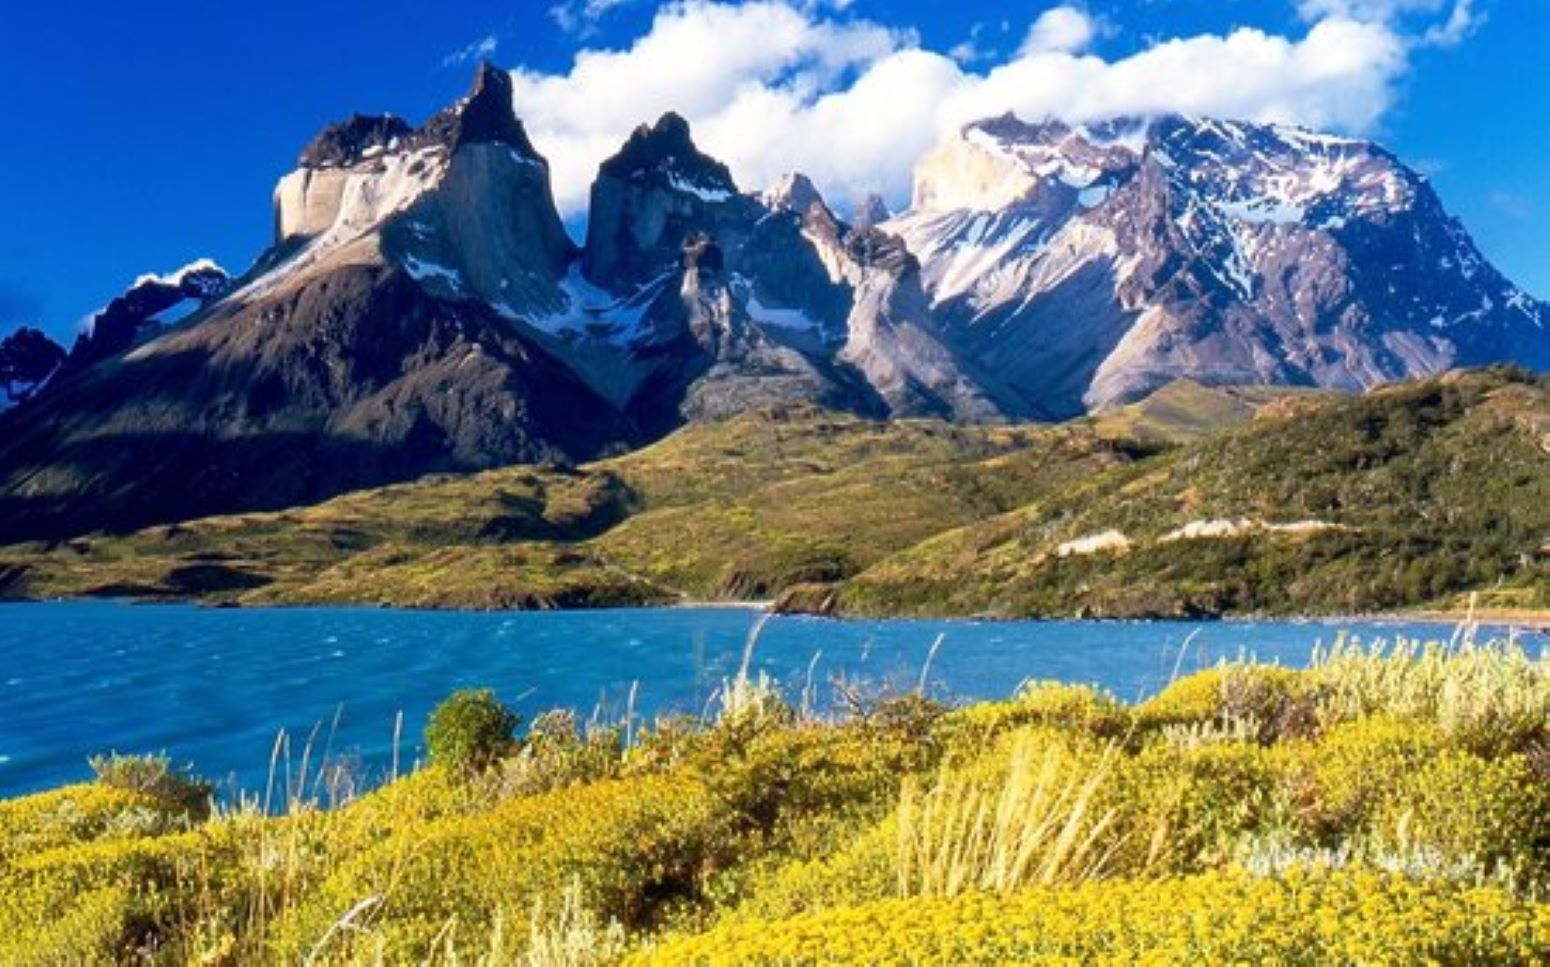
{"x":1389,"y":805}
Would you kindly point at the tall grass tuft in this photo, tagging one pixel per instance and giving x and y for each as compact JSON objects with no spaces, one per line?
{"x":1474,"y":692}
{"x":752,"y":701}
{"x":573,"y":937}
{"x":1038,"y":824}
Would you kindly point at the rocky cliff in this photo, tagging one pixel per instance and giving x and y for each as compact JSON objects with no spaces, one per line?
{"x":375,"y":342}
{"x":1090,"y":265}
{"x":422,"y":308}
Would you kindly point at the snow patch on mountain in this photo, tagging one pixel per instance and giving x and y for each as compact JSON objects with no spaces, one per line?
{"x":592,"y":311}
{"x":197,"y":269}
{"x":703,"y":193}
{"x":431,"y":272}
{"x":794,"y":319}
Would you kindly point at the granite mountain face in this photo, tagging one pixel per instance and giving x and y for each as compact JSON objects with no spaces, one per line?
{"x":422,"y":308}
{"x":1091,"y":265}
{"x":373,"y":342}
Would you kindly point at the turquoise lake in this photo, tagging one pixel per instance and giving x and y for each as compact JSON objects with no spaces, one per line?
{"x":214,"y":688}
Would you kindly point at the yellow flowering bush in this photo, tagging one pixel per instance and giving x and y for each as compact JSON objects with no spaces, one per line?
{"x":1382,"y":807}
{"x":1339,"y":783}
{"x":1219,"y":918}
{"x":631,"y":847}
{"x":74,"y":814}
{"x":1073,"y":707}
{"x":1494,"y":814}
{"x":1274,"y":702}
{"x":1183,"y":809}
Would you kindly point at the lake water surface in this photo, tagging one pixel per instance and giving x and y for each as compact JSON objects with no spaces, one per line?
{"x":213,"y":688}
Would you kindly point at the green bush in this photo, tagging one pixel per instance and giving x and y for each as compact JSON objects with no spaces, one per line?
{"x":156,"y":777}
{"x":470,"y":731}
{"x":557,"y":752}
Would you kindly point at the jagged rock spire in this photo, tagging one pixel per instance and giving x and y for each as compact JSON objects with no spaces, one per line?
{"x":487,"y":114}
{"x":651,"y":196}
{"x":794,"y":192}
{"x":871,"y":210}
{"x":345,"y":143}
{"x":668,"y":147}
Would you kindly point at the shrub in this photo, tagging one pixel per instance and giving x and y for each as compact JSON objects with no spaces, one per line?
{"x":1338,"y":784}
{"x":1185,"y":808}
{"x":556,"y":753}
{"x":1344,"y":917}
{"x":633,"y":850}
{"x":1467,"y":811}
{"x":664,"y":744}
{"x":1073,"y":707}
{"x":1267,"y":700}
{"x":135,"y":893}
{"x":909,"y":717}
{"x":90,"y":931}
{"x":470,"y":731}
{"x":154,"y":776}
{"x":864,"y":870}
{"x":1194,"y":699}
{"x":74,"y":814}
{"x":784,"y":783}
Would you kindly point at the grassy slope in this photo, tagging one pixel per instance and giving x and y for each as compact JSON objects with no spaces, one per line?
{"x":1442,"y":488}
{"x":736,"y":509}
{"x":1426,"y":489}
{"x":1185,"y":411}
{"x":1389,"y":809}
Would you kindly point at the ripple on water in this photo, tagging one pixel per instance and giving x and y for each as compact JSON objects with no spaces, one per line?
{"x":215,"y":687}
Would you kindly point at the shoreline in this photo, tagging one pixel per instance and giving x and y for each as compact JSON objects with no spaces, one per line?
{"x":1530,"y":619}
{"x":767,"y":607}
{"x":1536,"y":620}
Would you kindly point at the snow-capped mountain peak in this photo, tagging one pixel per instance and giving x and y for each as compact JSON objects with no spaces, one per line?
{"x":462,"y":204}
{"x":1105,"y":259}
{"x":423,"y":308}
{"x":794,"y":192}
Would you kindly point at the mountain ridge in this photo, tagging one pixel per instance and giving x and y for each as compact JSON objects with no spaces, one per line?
{"x":422,"y":288}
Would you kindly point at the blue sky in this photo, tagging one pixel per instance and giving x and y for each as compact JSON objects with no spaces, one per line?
{"x":138,"y":137}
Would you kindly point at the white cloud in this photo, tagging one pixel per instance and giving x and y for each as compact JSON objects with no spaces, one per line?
{"x":777,"y":85}
{"x":478,"y":50}
{"x":1064,"y":29}
{"x":1511,"y":204}
{"x":1460,"y":21}
{"x":581,"y":16}
{"x":720,"y":65}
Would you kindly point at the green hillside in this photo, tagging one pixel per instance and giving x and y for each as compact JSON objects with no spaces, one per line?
{"x":1411,"y":494}
{"x":1407,"y":497}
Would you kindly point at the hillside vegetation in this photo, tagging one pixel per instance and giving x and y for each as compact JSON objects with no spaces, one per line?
{"x":1410,"y":494}
{"x":1196,"y":501}
{"x":1386,"y":806}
